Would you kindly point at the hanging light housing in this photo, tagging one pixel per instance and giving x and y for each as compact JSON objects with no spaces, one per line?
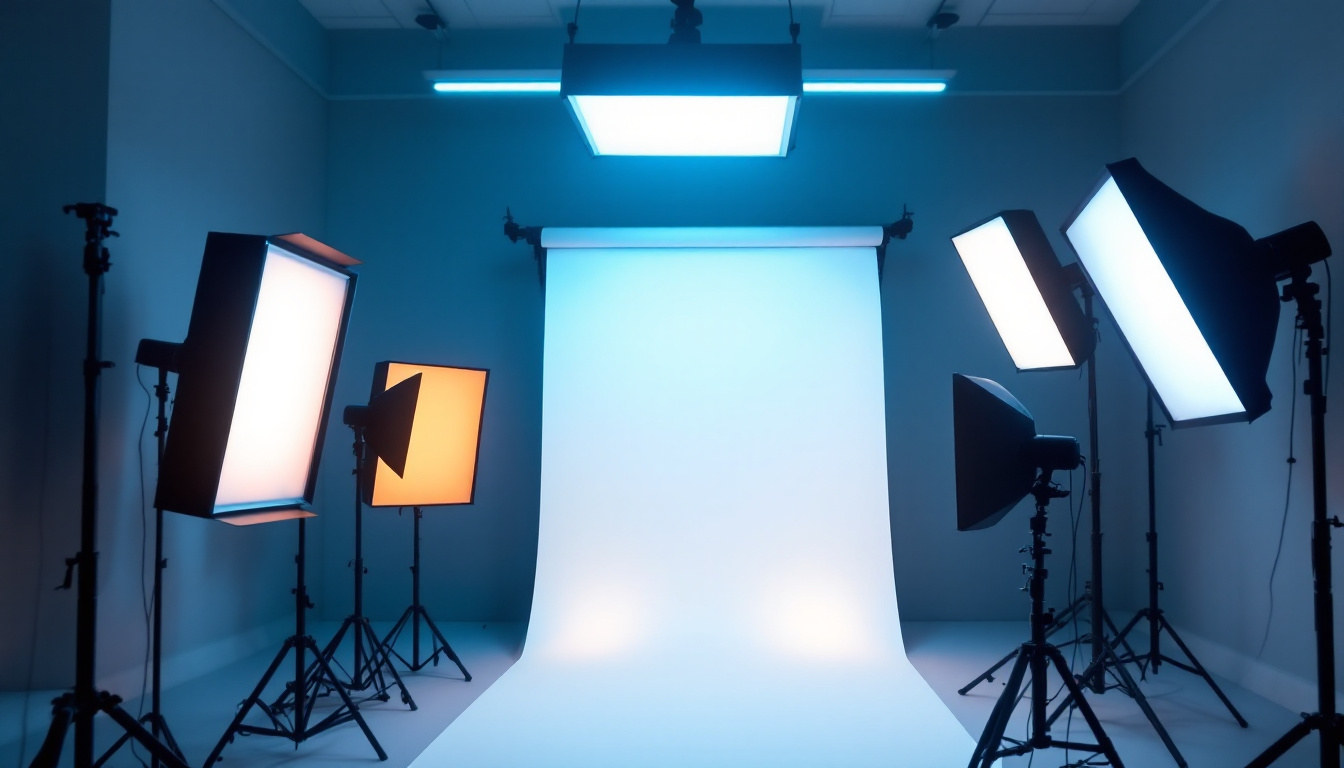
{"x":684,"y":100}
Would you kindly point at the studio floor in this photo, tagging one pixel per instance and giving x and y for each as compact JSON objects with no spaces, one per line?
{"x":947,"y":654}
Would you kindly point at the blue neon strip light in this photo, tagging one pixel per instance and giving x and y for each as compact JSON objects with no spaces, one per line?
{"x":874,"y":85}
{"x":499,"y":86}
{"x":871,"y":86}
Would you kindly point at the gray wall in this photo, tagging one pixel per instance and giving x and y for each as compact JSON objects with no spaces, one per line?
{"x":1245,"y":116}
{"x":53,"y":151}
{"x":418,"y":189}
{"x":187,"y":125}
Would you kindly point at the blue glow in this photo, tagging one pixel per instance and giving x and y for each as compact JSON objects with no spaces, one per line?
{"x":686,"y":125}
{"x":498,"y":86}
{"x":871,"y":86}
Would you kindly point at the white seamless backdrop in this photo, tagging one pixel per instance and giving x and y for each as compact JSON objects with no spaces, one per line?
{"x":714,"y":577}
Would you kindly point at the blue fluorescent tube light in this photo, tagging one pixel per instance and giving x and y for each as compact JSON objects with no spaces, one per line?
{"x":684,"y":100}
{"x":478,"y":86}
{"x":822,"y":81}
{"x":876,"y":81}
{"x":507,"y":81}
{"x":860,"y":86}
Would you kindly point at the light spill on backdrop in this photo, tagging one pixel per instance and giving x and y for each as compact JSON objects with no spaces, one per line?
{"x":714,"y":579}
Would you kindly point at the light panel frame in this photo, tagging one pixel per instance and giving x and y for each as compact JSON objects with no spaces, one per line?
{"x":1026,"y":291}
{"x":1191,"y":294}
{"x":253,"y":292}
{"x":436,"y":425}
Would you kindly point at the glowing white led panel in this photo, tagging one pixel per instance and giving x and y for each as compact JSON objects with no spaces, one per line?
{"x":1148,"y":310}
{"x":686,"y":125}
{"x":277,"y":415}
{"x":1010,"y":295}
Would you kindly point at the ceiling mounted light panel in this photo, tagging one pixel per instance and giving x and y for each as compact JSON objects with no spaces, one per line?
{"x":684,"y":100}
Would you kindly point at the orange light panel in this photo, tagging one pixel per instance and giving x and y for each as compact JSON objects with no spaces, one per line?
{"x":441,"y":463}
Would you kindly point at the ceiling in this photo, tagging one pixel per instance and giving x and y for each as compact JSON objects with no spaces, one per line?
{"x":477,"y":14}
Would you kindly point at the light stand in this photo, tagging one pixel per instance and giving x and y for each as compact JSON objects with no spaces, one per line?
{"x":298,"y":726}
{"x":1326,"y":720}
{"x":1104,"y":657}
{"x":367,"y":671}
{"x":413,"y":615}
{"x":1157,"y":620}
{"x":85,"y":701}
{"x":158,"y":354}
{"x":1036,"y":656}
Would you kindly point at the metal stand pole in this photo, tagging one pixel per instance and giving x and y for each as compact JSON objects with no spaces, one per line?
{"x":154,"y":718}
{"x":1326,"y":720}
{"x":1036,"y":656}
{"x":1157,"y":620}
{"x":1104,"y":657}
{"x":80,"y":705}
{"x":413,"y":615}
{"x":367,"y":671}
{"x":303,"y":689}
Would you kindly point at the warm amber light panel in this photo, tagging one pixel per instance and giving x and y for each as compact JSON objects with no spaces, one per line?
{"x":441,"y":464}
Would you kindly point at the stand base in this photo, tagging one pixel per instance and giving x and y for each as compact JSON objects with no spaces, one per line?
{"x":158,"y":727}
{"x":1110,"y":662}
{"x":368,"y":673}
{"x":1037,"y":656}
{"x":1094,"y":675}
{"x":1331,"y":728}
{"x":69,"y":708}
{"x":413,"y":615}
{"x":296,"y":727}
{"x":1152,"y":660}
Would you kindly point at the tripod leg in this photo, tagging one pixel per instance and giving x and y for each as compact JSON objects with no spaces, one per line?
{"x":62,"y":713}
{"x":447,"y":649}
{"x":378,"y":659}
{"x":253,"y":699}
{"x":1199,"y":670}
{"x":1118,"y":638}
{"x":1076,"y":696}
{"x":1279,"y":748}
{"x":157,"y":725}
{"x":112,"y":750}
{"x":108,"y":703}
{"x":350,"y":705}
{"x":988,"y":675}
{"x":1142,"y":660}
{"x":166,"y":736}
{"x":1142,"y":701}
{"x":992,"y":736}
{"x":389,"y":643}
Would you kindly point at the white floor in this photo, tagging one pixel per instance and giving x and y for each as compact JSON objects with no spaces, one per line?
{"x":947,"y":654}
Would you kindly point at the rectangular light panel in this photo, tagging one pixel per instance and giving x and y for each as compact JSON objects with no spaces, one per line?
{"x":441,"y":461}
{"x":1148,"y":310}
{"x":1010,"y":295}
{"x":277,"y":415}
{"x":686,"y":125}
{"x":714,"y":579}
